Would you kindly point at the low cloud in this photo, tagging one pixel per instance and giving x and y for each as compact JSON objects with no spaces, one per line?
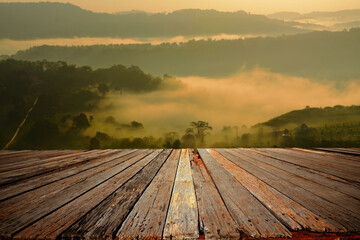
{"x":244,"y":98}
{"x":9,"y":46}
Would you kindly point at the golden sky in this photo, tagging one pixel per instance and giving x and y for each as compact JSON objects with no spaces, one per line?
{"x":253,"y":6}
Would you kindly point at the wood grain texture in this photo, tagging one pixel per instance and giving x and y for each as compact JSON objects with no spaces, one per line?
{"x":147,"y":219}
{"x":249,"y":213}
{"x":51,"y":226}
{"x":11,"y":164}
{"x":31,"y":199}
{"x":104,"y":220}
{"x":215,"y":220}
{"x":182,"y":217}
{"x":156,"y":194}
{"x":12,"y":152}
{"x":31,"y":157}
{"x":322,"y":191}
{"x":19,"y":155}
{"x":26,"y":185}
{"x":350,"y":151}
{"x":289,"y":212}
{"x":342,"y":161}
{"x":335,"y":215}
{"x":36,"y":204}
{"x":38,"y":169}
{"x":324,"y":179}
{"x":326,"y":165}
{"x":329,"y":153}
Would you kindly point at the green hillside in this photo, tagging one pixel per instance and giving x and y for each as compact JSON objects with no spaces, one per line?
{"x":315,"y":117}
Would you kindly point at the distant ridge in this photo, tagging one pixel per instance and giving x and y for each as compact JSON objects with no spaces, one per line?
{"x":334,"y":21}
{"x":347,"y":13}
{"x":59,"y":20}
{"x":318,"y":55}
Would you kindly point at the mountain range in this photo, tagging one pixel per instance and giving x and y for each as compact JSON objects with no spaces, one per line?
{"x":59,"y":20}
{"x":318,"y":55}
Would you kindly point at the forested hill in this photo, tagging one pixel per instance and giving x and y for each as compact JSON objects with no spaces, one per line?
{"x":320,"y":55}
{"x":63,"y":92}
{"x":58,"y":20}
{"x":315,"y":117}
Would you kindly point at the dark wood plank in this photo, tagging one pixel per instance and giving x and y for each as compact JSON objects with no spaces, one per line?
{"x":51,"y":226}
{"x":340,"y":218}
{"x":4,"y":153}
{"x":182,"y":218}
{"x":289,"y":212}
{"x":21,"y":211}
{"x":15,"y":154}
{"x":337,"y":170}
{"x":29,"y":156}
{"x":22,"y":202}
{"x":342,"y":160}
{"x":215,"y":220}
{"x":354,"y":152}
{"x":329,"y":194}
{"x":329,"y":154}
{"x":38,"y":160}
{"x":327,"y":180}
{"x":147,"y":219}
{"x":26,"y":185}
{"x":104,"y":221}
{"x":245,"y":209}
{"x":37,"y":170}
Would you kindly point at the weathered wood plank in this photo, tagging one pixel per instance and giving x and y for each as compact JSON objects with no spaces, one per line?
{"x":104,"y":220}
{"x":350,"y":151}
{"x":338,"y":161}
{"x":215,"y":220}
{"x":326,"y":154}
{"x":246,"y":210}
{"x":182,"y":217}
{"x":147,"y":219}
{"x":21,"y":202}
{"x":21,"y":158}
{"x":289,"y":212}
{"x":324,"y":179}
{"x":51,"y":226}
{"x":37,"y":160}
{"x":12,"y":152}
{"x":23,"y":173}
{"x":19,"y":212}
{"x":324,"y":192}
{"x":335,"y":215}
{"x":344,"y":172}
{"x":26,"y":185}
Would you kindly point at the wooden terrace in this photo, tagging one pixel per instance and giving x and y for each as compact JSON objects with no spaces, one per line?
{"x":235,"y":193}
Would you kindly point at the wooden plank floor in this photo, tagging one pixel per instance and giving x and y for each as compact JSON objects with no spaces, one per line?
{"x":232,"y":193}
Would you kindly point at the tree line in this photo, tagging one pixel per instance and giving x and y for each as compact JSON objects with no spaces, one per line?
{"x":321,"y":56}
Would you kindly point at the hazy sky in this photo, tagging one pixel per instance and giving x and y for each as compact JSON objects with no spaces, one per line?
{"x":253,"y":6}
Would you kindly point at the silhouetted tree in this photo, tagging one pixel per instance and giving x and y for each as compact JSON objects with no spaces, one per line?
{"x":81,"y":121}
{"x":188,"y":140}
{"x":136,"y":125}
{"x":201,"y":130}
{"x":176,"y":144}
{"x":103,"y":88}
